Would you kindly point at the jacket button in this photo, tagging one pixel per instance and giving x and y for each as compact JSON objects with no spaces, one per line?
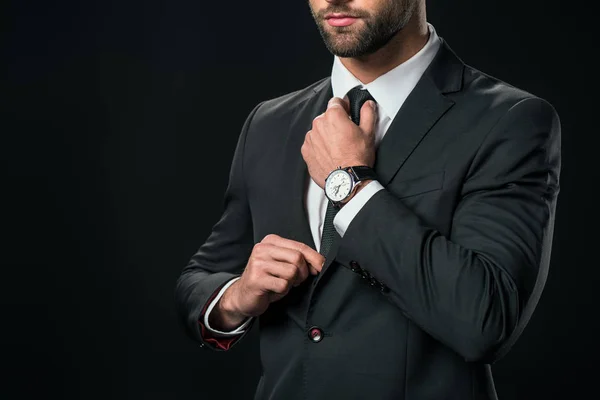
{"x":354,"y":266}
{"x":315,"y":334}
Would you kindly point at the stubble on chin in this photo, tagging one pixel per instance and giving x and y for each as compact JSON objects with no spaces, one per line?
{"x":344,"y":41}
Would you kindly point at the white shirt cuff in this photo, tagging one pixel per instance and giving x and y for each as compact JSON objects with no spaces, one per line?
{"x":239,"y":329}
{"x":346,"y":214}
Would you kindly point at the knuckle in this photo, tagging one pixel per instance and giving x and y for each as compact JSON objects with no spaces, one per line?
{"x":269,"y":238}
{"x":293,"y":273}
{"x":303,"y":246}
{"x":298,"y":259}
{"x":279,"y":286}
{"x":304,"y":148}
{"x":258,"y":248}
{"x":290,"y":277}
{"x":285,"y":285}
{"x":334,"y":104}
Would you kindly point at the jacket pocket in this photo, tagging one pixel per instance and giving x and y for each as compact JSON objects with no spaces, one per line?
{"x":417,"y":185}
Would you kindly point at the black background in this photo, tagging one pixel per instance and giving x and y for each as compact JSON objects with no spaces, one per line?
{"x":119,"y":121}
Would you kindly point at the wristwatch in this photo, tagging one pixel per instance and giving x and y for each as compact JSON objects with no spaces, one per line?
{"x":341,"y":183}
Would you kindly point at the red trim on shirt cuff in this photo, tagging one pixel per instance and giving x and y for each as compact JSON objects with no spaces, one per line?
{"x":223,"y":343}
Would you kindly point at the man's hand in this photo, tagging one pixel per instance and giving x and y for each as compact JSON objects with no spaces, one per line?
{"x":335,"y":140}
{"x":275,"y":265}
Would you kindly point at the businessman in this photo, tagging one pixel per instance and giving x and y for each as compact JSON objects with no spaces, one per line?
{"x":389,"y":226}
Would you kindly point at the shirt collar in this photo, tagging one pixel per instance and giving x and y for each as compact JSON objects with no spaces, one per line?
{"x":403,"y":78}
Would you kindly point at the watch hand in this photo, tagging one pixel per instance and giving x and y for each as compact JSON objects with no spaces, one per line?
{"x":337,"y":188}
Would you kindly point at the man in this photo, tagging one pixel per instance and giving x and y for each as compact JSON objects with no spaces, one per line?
{"x":407,"y":275}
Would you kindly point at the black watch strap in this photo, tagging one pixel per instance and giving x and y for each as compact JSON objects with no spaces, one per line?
{"x":362,"y":172}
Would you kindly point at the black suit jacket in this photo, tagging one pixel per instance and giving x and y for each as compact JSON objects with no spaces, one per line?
{"x":437,"y":274}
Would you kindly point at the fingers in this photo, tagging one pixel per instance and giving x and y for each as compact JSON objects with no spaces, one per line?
{"x":284,"y":270}
{"x":335,"y":105}
{"x":312,"y":257}
{"x":313,"y":270}
{"x":337,"y":108}
{"x":287,"y":263}
{"x":368,"y":117}
{"x":277,"y":287}
{"x":281,"y":262}
{"x":340,"y":103}
{"x":368,"y":113}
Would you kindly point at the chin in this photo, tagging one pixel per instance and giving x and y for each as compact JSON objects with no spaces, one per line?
{"x":344,"y":49}
{"x":345,"y":52}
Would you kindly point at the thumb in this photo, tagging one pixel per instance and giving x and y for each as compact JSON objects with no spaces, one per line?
{"x":368,"y":117}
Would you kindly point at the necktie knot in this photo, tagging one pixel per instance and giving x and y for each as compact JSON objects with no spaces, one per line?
{"x":357,"y":97}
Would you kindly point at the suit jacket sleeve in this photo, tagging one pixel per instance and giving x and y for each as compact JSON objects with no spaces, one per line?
{"x":475,"y":289}
{"x":223,"y":255}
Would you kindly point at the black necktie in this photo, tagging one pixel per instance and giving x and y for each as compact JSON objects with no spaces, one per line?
{"x":357,"y":98}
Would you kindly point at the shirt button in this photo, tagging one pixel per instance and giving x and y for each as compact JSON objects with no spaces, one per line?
{"x":315,"y":334}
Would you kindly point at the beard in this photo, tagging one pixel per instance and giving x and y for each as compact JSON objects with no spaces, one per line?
{"x":367,"y":34}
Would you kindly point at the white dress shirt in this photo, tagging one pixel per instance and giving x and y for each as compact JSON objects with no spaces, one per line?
{"x":402,"y":79}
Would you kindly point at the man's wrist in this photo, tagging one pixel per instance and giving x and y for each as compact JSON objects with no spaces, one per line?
{"x":225,"y":316}
{"x":359,"y":186}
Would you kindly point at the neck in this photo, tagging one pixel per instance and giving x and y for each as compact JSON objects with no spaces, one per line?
{"x":407,"y":42}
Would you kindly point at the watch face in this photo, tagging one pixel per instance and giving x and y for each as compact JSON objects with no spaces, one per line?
{"x":338,"y":185}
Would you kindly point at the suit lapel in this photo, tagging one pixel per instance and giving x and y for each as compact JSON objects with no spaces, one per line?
{"x":421,"y":110}
{"x":423,"y":107}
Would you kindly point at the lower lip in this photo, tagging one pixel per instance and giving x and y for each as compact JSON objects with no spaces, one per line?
{"x":341,"y":21}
